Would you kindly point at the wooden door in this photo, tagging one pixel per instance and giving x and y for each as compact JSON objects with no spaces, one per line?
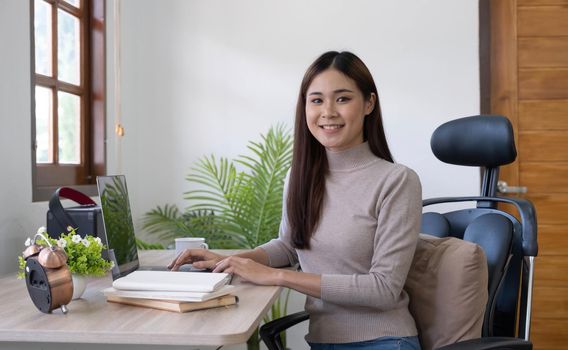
{"x":528,"y":82}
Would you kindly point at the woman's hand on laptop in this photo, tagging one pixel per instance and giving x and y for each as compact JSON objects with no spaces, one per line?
{"x":249,"y":270}
{"x":199,"y":258}
{"x":258,"y":273}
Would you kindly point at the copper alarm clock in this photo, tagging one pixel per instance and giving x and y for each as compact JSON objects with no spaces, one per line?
{"x":48,"y":278}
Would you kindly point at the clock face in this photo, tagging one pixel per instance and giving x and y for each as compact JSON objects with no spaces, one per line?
{"x":38,"y":285}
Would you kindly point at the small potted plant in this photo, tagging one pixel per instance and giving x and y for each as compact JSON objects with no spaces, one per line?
{"x":84,"y":256}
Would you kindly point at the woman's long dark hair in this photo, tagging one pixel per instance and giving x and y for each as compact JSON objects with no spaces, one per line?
{"x":309,"y":164}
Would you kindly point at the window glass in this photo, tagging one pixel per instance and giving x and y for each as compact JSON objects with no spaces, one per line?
{"x":69,"y":127}
{"x":44,"y":121}
{"x":68,"y":48}
{"x":42,"y":33}
{"x":75,"y":3}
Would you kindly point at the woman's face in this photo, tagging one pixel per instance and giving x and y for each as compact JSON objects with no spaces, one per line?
{"x":336,"y":109}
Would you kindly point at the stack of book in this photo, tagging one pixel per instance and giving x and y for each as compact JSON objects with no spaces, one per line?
{"x":172,"y":291}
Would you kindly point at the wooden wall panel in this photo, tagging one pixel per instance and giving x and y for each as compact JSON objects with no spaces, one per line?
{"x":503,"y":63}
{"x":544,"y":177}
{"x":541,"y":2}
{"x":549,"y":334}
{"x":552,"y":240}
{"x":550,"y":303}
{"x":542,"y":21}
{"x":540,"y":146}
{"x":543,"y":52}
{"x":529,"y":70}
{"x":551,"y":271}
{"x":543,"y":83}
{"x":551,"y":209}
{"x":543,"y":115}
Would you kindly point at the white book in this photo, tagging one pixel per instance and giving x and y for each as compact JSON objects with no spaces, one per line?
{"x":173,"y":281}
{"x":175,"y":296}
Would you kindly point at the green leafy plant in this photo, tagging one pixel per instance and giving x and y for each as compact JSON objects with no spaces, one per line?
{"x":84,"y":254}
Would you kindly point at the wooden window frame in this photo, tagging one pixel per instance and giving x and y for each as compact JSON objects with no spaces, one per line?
{"x":46,"y":178}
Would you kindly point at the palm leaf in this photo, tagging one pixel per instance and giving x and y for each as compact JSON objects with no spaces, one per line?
{"x":165,"y":222}
{"x":267,"y":172}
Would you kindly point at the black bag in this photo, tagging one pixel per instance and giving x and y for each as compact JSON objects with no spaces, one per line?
{"x":86,"y":218}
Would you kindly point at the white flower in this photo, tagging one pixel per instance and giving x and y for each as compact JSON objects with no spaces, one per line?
{"x":98,"y":240}
{"x":62,"y":243}
{"x":69,"y":228}
{"x":28,"y":242}
{"x":41,"y":230}
{"x":76,"y":238}
{"x":86,"y":243}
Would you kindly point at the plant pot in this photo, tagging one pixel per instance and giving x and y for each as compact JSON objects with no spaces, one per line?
{"x":79,"y":285}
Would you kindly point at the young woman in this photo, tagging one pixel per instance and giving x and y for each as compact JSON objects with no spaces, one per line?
{"x":350,"y":218}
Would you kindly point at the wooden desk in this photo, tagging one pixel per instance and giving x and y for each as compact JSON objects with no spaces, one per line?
{"x":93,"y":320}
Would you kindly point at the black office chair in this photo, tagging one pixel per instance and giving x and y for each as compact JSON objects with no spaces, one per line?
{"x":510,"y":245}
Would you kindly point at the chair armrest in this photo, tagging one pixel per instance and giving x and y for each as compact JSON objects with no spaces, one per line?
{"x":490,"y":343}
{"x":270,"y":332}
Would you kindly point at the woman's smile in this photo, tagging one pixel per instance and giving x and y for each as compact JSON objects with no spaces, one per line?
{"x":332,"y":127}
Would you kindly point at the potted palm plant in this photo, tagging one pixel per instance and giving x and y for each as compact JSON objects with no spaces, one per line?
{"x":235,"y":204}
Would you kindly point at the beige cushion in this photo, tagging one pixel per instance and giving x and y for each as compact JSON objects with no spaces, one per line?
{"x":447,"y":285}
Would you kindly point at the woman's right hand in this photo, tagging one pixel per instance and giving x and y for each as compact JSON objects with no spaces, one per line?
{"x":199,"y":258}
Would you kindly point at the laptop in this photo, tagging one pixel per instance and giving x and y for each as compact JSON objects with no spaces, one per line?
{"x":119,"y":228}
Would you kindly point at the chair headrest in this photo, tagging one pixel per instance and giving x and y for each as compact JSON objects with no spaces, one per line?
{"x":481,"y":140}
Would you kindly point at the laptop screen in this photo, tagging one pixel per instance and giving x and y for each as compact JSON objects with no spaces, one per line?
{"x":119,"y":227}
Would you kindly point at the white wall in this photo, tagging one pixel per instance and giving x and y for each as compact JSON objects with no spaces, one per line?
{"x":203,"y":77}
{"x":18,"y":216}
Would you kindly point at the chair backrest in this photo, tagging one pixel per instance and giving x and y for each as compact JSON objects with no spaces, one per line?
{"x":488,"y":142}
{"x":493,"y":232}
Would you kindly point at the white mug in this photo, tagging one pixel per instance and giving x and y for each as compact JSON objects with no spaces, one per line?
{"x":184,"y":243}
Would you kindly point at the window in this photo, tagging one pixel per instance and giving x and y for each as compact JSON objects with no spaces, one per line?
{"x":68,"y":99}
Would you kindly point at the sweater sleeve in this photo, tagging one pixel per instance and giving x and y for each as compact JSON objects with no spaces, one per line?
{"x":280,"y":251}
{"x":399,"y":208}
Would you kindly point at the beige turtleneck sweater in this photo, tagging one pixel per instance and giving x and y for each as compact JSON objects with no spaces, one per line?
{"x":362,"y":248}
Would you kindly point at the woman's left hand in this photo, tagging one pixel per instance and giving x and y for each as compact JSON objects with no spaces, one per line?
{"x":249,"y":270}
